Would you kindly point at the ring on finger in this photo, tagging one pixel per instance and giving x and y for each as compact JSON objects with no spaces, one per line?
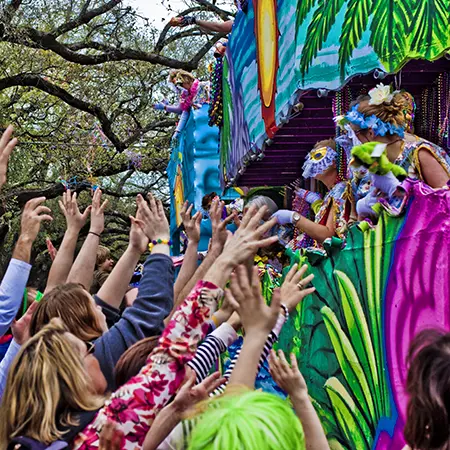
{"x":300,"y":285}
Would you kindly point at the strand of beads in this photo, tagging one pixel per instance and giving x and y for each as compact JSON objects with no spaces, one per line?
{"x":216,"y":105}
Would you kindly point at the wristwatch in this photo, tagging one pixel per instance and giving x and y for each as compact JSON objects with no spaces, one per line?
{"x":295,"y":218}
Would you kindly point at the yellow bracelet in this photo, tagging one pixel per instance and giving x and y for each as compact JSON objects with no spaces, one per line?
{"x":159,"y":242}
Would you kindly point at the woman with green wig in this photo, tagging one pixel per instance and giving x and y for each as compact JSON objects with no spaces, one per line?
{"x":248,"y":420}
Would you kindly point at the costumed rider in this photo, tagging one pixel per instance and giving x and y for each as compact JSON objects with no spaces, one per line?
{"x":383,"y":117}
{"x":192,"y":94}
{"x":327,"y":164}
{"x":206,"y":25}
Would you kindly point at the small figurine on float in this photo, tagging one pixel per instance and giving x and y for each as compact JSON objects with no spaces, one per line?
{"x":192,"y":94}
{"x":327,"y":164}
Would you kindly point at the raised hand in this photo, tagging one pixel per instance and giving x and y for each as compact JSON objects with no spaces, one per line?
{"x":288,"y":377}
{"x":6,"y":147}
{"x":69,"y":207}
{"x":249,"y":237}
{"x":155,"y":224}
{"x":190,"y":394}
{"x":191,"y":224}
{"x":32,"y":217}
{"x":294,"y":289}
{"x":138,"y":239}
{"x":283,"y":216}
{"x":98,"y":213}
{"x":21,"y":328}
{"x":247,"y":300}
{"x":219,"y":226}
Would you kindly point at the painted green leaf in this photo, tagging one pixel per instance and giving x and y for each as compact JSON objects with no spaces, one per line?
{"x":430,"y":28}
{"x":350,"y":365}
{"x":355,"y":23}
{"x":390,"y":22}
{"x":348,"y":416}
{"x":359,"y":334}
{"x":327,"y":419}
{"x":303,"y":9}
{"x":336,"y":445}
{"x":318,"y":30}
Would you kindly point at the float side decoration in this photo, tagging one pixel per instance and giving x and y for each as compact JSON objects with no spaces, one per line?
{"x":352,"y":336}
{"x":320,"y":45}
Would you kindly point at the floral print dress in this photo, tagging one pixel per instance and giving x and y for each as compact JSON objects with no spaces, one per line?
{"x":135,"y":405}
{"x":409,"y":157}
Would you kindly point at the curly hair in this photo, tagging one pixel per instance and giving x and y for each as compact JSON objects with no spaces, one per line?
{"x":394,"y":112}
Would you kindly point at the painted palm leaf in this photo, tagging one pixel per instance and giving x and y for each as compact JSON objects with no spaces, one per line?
{"x":318,"y":30}
{"x":359,"y":334}
{"x":348,"y":416}
{"x":304,"y":7}
{"x":351,"y":366}
{"x":355,"y":23}
{"x":429,"y":28}
{"x":390,"y":24}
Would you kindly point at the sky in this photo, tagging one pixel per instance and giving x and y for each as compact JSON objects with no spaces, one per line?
{"x":153,"y":9}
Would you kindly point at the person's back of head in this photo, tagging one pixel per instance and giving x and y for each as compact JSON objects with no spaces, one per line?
{"x":134,"y":359}
{"x":73,"y":305}
{"x":248,"y":420}
{"x":46,"y":384}
{"x":428,"y":386}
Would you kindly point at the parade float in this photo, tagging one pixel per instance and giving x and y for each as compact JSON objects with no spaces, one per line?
{"x":290,"y":67}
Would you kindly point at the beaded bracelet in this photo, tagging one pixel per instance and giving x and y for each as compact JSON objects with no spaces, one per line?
{"x":158,"y":242}
{"x":286,"y":311}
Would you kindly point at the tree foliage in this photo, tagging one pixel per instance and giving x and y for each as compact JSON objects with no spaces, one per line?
{"x":78,"y":79}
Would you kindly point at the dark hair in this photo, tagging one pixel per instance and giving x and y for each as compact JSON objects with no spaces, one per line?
{"x":133,"y":360}
{"x":207,"y":200}
{"x":428,"y":386}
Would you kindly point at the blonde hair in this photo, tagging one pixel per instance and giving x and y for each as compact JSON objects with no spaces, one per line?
{"x":181,"y":76}
{"x":46,"y":383}
{"x":395,"y":112}
{"x":72,"y":304}
{"x":325,"y":143}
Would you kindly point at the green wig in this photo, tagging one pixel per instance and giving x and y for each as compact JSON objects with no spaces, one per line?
{"x":252,"y":420}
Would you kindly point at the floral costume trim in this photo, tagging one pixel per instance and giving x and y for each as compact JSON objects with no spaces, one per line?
{"x":409,"y":157}
{"x":135,"y":405}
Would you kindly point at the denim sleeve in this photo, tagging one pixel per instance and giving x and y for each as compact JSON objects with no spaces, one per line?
{"x":11,"y":292}
{"x":144,"y":319}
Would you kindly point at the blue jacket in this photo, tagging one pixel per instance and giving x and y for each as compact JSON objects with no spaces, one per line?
{"x":144,"y":319}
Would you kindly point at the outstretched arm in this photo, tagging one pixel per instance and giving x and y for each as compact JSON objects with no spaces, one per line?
{"x":289,"y":378}
{"x":219,"y":237}
{"x":315,"y":230}
{"x":192,"y":228}
{"x":64,"y":257}
{"x":206,"y":25}
{"x":115,"y":287}
{"x":16,"y":277}
{"x":83,"y":268}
